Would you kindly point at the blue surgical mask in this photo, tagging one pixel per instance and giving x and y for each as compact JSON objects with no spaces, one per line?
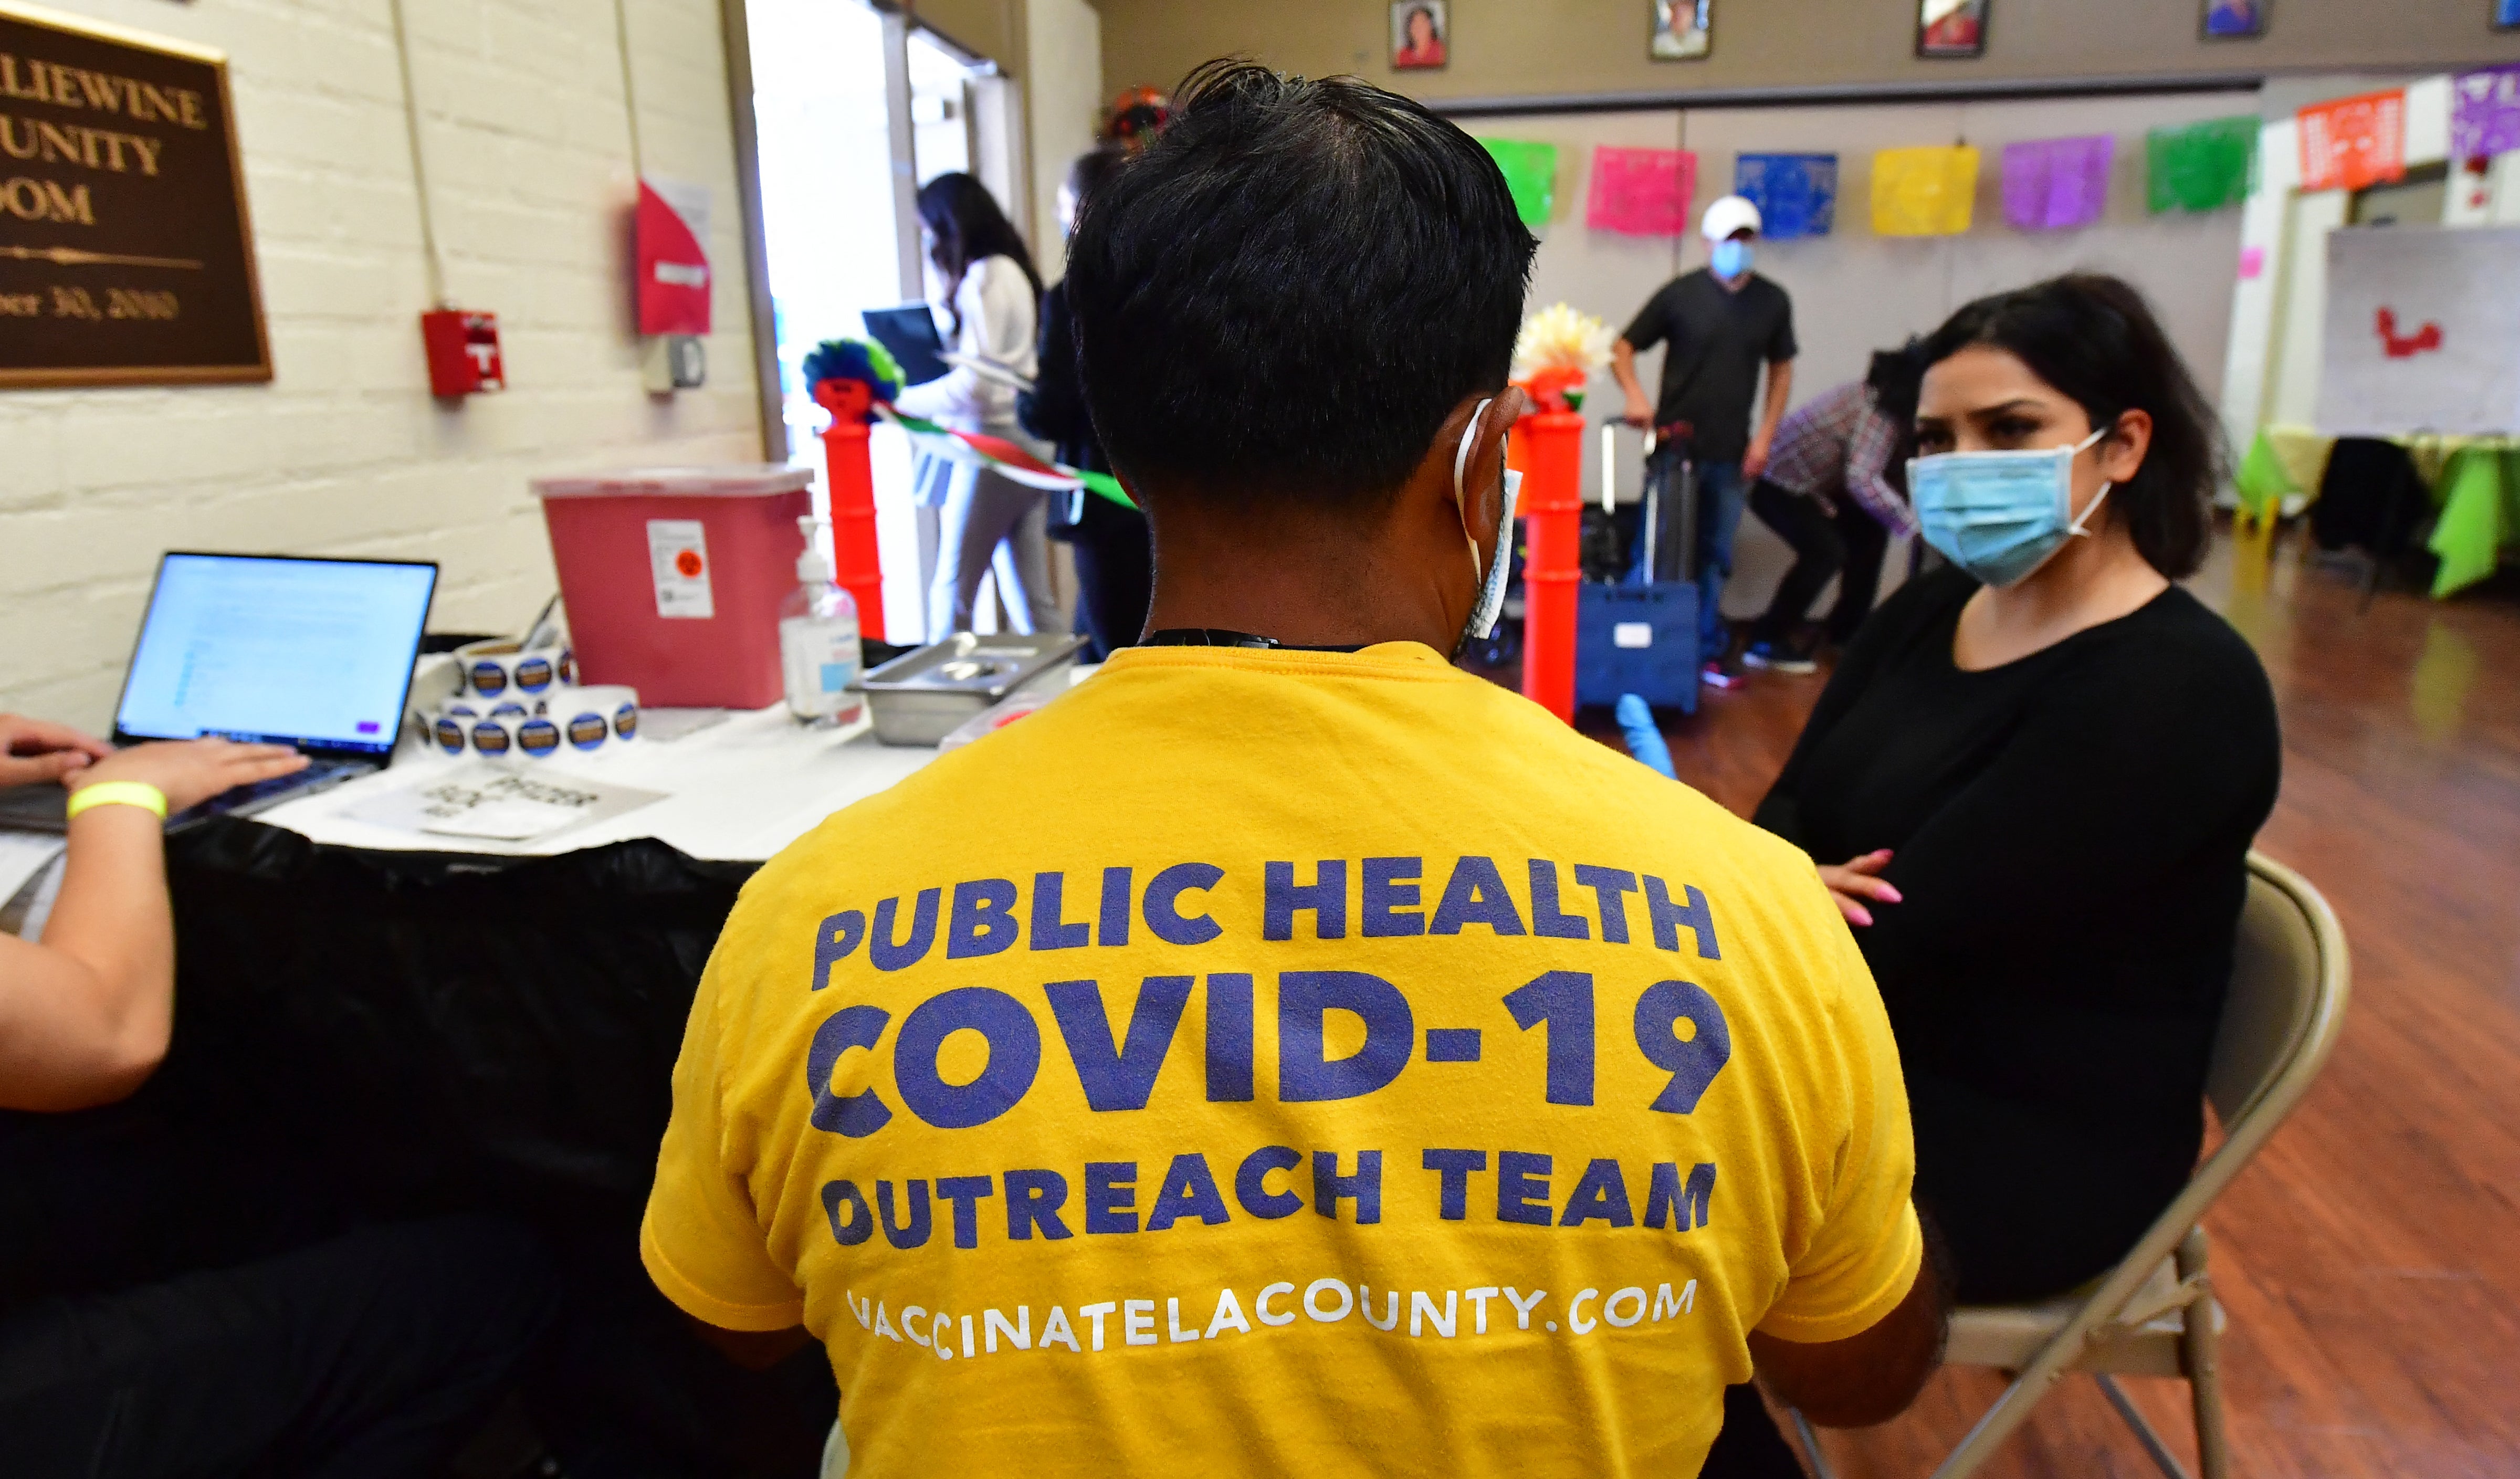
{"x":1731,"y":259}
{"x":1491,"y":603}
{"x":2000,"y":515}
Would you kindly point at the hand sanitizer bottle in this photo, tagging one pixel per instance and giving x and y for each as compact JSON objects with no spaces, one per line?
{"x":818,"y":639}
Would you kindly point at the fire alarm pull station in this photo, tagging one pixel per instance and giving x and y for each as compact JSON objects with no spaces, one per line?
{"x":463,"y":353}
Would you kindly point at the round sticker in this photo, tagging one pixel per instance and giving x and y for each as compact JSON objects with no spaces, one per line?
{"x":450,"y":736}
{"x":508,"y":708}
{"x":626,"y":720}
{"x":588,"y":731}
{"x":569,"y":665}
{"x":461,"y":711}
{"x":687,"y":563}
{"x":534,"y":674}
{"x":538,"y":738}
{"x":490,"y":738}
{"x":489,"y":680}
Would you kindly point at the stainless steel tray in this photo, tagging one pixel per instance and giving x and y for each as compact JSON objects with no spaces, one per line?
{"x":919,"y":697}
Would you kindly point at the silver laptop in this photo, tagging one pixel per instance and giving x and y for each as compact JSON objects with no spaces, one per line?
{"x":313,"y":653}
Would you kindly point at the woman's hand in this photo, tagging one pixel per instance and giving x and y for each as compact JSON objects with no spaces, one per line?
{"x":1857,"y":880}
{"x":192,"y":771}
{"x":32,"y":751}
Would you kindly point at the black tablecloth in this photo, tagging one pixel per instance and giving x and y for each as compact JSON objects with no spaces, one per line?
{"x":406,"y":1033}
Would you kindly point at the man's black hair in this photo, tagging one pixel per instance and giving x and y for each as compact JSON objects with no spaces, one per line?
{"x":1289,"y":290}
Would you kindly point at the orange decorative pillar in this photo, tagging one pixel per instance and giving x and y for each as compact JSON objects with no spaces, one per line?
{"x":1547,"y":448}
{"x":857,"y":563}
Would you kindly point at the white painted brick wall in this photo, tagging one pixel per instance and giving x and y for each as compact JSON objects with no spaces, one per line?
{"x":344,"y":452}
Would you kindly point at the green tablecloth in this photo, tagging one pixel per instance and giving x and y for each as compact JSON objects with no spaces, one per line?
{"x":2475,"y":483}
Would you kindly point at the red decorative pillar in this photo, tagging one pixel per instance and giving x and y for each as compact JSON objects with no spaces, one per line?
{"x":857,"y":563}
{"x":1549,"y":449}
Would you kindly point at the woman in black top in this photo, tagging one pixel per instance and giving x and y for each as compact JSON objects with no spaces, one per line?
{"x":2037,"y":796}
{"x":1115,"y":566}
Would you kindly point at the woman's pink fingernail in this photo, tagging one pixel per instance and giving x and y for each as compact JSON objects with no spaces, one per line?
{"x":1890,"y":895}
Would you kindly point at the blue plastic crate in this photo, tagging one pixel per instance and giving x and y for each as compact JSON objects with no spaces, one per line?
{"x":1638,"y":639}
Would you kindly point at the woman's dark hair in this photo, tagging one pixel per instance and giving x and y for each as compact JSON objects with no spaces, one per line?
{"x":1893,"y":379}
{"x":2094,"y":340}
{"x":1287,"y":294}
{"x":968,"y":227}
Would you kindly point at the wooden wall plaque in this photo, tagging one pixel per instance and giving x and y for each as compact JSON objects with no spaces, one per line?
{"x":126,"y":256}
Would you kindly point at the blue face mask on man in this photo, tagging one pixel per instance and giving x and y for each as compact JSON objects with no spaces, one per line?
{"x":2000,"y":515}
{"x":1731,"y":257}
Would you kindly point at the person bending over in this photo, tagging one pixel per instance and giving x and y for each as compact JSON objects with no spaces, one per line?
{"x":1373,"y":1074}
{"x":1114,"y":564}
{"x":1836,"y":491}
{"x":2035,"y":778}
{"x":985,"y":284}
{"x":371,"y":1354}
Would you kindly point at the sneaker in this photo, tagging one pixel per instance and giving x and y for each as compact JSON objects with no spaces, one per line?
{"x":1716,"y":676}
{"x":1781,"y":656}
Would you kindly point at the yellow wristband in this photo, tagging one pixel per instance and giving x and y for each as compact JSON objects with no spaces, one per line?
{"x":138,"y":794}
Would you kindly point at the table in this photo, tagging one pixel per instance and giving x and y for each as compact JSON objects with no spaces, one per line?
{"x":2474,"y":480}
{"x":737,"y":791}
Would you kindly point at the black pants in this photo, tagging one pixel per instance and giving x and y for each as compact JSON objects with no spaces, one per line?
{"x":1848,"y":544}
{"x":371,"y":1356}
{"x":1116,"y":566}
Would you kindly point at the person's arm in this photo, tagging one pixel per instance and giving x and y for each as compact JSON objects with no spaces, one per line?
{"x":1859,"y":1326}
{"x":1649,"y":328}
{"x":33,"y":751}
{"x":701,"y":1238}
{"x":1869,"y":452}
{"x":1781,"y":389}
{"x":1640,"y":408}
{"x":1869,"y":1377}
{"x":86,"y":1014}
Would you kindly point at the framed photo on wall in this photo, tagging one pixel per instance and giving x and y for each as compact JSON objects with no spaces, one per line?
{"x":1421,"y":36}
{"x":1952,"y":28}
{"x":1681,"y":30}
{"x":2237,"y":20}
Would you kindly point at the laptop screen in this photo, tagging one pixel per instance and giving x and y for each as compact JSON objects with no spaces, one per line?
{"x":311,"y":653}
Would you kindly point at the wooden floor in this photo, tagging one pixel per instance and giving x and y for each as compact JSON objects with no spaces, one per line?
{"x":2371,"y":1257}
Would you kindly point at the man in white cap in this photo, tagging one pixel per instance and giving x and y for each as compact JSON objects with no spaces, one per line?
{"x":1720,"y":323}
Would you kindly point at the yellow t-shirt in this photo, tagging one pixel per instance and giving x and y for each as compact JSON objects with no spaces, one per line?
{"x":1285,"y":1062}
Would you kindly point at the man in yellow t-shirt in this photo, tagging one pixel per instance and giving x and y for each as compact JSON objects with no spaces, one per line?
{"x":1286,"y":1053}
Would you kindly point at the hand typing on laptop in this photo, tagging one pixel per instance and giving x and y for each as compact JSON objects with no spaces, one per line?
{"x":33,"y":751}
{"x":189,"y":772}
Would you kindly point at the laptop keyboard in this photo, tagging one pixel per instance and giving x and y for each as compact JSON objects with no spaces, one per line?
{"x":245,"y":800}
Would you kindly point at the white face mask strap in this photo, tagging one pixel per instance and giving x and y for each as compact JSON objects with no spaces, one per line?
{"x":2075,"y":529}
{"x":1462,"y":466}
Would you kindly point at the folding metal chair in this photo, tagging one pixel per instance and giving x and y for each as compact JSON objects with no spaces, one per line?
{"x":2155,"y":1314}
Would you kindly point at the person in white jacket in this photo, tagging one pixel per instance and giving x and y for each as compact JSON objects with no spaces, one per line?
{"x":991,"y":295}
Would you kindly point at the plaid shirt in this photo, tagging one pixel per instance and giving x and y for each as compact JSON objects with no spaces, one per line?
{"x":1836,"y":443}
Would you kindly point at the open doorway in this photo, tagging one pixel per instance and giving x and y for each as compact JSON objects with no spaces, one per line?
{"x":839,"y":234}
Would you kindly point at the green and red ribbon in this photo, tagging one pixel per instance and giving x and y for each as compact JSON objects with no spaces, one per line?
{"x":997,"y":454}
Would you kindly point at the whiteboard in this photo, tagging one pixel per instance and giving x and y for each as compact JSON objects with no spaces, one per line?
{"x":2422,"y":331}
